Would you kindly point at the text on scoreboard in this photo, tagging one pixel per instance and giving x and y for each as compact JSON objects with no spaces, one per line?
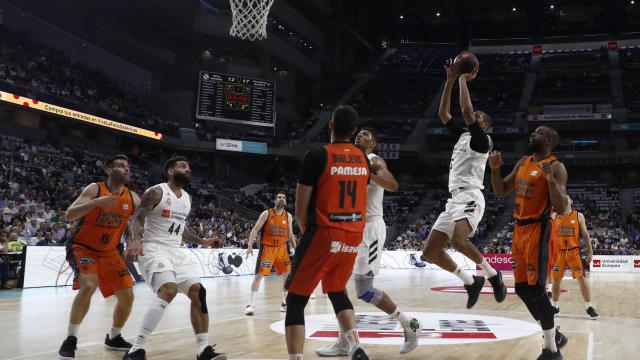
{"x":236,"y":99}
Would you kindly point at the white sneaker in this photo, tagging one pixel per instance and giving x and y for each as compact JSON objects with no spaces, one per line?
{"x":411,"y":336}
{"x":338,"y":348}
{"x":283,"y":307}
{"x":249,"y":310}
{"x":312,"y":296}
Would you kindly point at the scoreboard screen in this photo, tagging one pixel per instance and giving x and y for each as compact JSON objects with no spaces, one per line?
{"x":236,"y":99}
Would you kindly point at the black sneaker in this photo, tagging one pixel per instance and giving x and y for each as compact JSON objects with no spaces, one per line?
{"x":474,"y":290}
{"x":592,"y":313}
{"x":499,"y":290}
{"x":359,"y":354}
{"x":548,"y":355}
{"x":139,"y":354}
{"x":117,"y":343}
{"x":549,"y":294}
{"x":556,"y":310}
{"x":561,"y":340}
{"x":209,"y":354}
{"x":68,"y":348}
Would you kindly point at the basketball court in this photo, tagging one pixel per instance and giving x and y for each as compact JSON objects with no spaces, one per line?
{"x":35,"y":321}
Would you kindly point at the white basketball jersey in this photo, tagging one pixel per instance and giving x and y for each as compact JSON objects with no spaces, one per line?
{"x":166,"y":222}
{"x":467,"y":166}
{"x":375,"y":193}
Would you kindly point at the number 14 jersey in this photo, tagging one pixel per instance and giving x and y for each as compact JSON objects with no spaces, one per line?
{"x":341,"y":193}
{"x":166,"y":222}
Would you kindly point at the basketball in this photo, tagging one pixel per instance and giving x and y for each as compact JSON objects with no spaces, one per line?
{"x":466,"y":63}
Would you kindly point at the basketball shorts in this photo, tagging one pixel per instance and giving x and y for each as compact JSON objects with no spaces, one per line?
{"x":273,"y":256}
{"x":159,"y":259}
{"x":110,"y":267}
{"x":324,"y":255}
{"x":533,"y":251}
{"x":568,"y":258}
{"x":466,"y":204}
{"x":370,"y":250}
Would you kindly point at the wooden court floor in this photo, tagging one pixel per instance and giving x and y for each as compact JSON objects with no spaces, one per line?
{"x":34,"y":321}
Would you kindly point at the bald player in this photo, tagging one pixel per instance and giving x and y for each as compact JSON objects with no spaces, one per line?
{"x":539,"y":181}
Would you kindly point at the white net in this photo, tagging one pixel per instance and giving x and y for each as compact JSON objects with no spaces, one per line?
{"x":250,"y":18}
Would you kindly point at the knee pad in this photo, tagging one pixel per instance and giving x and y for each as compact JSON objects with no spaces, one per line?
{"x":203,"y":300}
{"x":340,"y":301}
{"x":365,"y":290}
{"x":295,"y":309}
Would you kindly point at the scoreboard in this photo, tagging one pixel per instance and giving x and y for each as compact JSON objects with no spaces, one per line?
{"x":236,"y":99}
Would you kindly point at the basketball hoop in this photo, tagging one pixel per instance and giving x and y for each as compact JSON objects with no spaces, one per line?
{"x":250,"y":18}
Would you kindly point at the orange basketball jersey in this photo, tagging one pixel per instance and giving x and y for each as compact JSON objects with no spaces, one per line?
{"x":101,"y":228}
{"x":532,"y":190}
{"x":568,"y":231}
{"x":341,"y":193}
{"x":275,"y":230}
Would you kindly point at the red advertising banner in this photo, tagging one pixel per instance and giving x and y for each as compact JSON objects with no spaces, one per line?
{"x":612,"y":46}
{"x":499,"y":261}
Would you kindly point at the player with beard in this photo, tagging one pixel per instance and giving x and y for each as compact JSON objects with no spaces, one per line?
{"x":102,"y":211}
{"x":276,"y":226}
{"x":158,"y":229}
{"x":539,"y":182}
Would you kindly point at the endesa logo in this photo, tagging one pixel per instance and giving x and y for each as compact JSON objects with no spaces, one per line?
{"x":438,"y":328}
{"x":636,"y":264}
{"x":597,"y":263}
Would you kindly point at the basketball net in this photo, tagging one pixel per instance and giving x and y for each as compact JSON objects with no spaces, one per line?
{"x":250,"y":18}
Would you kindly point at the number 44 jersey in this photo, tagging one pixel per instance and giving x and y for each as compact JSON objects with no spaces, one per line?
{"x":166,"y":222}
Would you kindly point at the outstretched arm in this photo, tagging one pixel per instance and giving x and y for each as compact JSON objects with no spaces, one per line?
{"x":465,"y":99}
{"x":502,"y":187}
{"x":445,"y":101}
{"x":381,"y":175}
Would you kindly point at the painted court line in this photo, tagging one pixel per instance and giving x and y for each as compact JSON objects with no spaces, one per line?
{"x":130,"y":337}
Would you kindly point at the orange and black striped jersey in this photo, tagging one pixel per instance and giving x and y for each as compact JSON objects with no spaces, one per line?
{"x":102,"y":227}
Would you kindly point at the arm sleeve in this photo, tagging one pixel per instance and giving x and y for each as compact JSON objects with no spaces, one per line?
{"x":479,"y":139}
{"x":312,"y":167}
{"x":454,"y":129}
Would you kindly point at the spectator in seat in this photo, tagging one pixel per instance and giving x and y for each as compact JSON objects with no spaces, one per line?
{"x":37,"y":238}
{"x":14,"y":243}
{"x":47,"y":241}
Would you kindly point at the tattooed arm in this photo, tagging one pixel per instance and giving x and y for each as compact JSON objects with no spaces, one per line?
{"x":149,"y":200}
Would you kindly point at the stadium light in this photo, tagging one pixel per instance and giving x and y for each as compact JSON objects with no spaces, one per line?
{"x":401,"y":17}
{"x":513,"y":9}
{"x":551,"y":6}
{"x":438,"y":13}
{"x":633,"y":2}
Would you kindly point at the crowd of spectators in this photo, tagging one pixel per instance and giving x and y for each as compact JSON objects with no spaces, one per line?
{"x":415,"y":235}
{"x":601,"y":208}
{"x":39,"y":181}
{"x":630,"y":64}
{"x":35,"y":70}
{"x":573,"y":77}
